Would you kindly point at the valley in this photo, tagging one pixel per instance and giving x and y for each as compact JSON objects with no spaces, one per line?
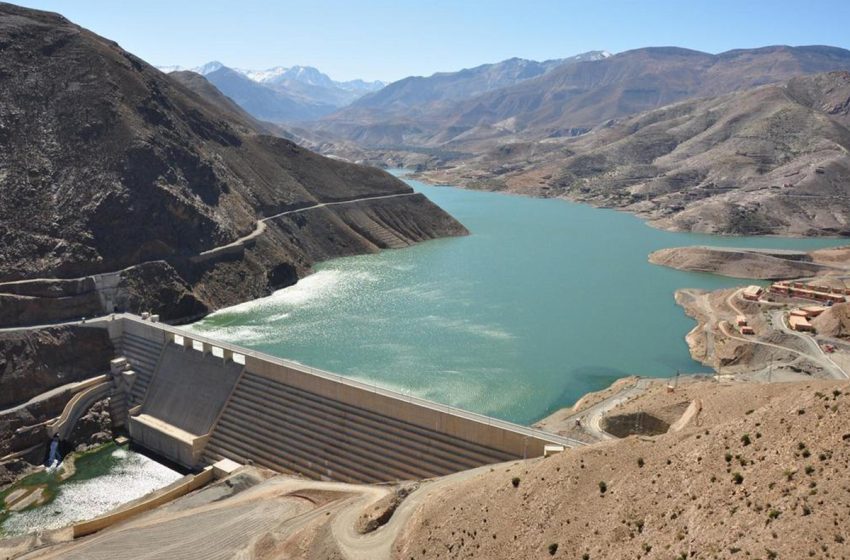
{"x":515,"y":302}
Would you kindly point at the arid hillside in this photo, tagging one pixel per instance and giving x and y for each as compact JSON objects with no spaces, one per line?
{"x":769,"y":160}
{"x":761,"y":474}
{"x":568,"y":99}
{"x":106,"y":163}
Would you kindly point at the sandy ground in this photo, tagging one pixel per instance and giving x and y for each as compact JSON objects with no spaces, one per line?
{"x":670,"y":496}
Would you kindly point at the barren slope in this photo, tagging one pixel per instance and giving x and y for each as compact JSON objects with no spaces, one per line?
{"x":705,"y":492}
{"x":771,"y":160}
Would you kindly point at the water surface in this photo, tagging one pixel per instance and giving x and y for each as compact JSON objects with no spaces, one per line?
{"x":545,"y":301}
{"x":104,"y":479}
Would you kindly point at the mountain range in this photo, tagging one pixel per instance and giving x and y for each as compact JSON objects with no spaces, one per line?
{"x":771,"y":159}
{"x":564,"y":98}
{"x":282,"y":94}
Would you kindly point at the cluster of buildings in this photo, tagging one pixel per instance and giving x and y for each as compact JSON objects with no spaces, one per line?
{"x":809,"y":291}
{"x":799,"y":319}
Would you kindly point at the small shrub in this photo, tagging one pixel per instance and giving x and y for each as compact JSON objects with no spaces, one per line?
{"x":603,"y":487}
{"x":745,"y":439}
{"x":773,"y":514}
{"x":806,"y":453}
{"x":640,"y":462}
{"x":737,"y":478}
{"x":515,"y":481}
{"x":553,"y":548}
{"x":809,"y":469}
{"x":728,"y":457}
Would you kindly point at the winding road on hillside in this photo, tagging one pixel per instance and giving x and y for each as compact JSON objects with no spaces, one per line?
{"x":258,"y":230}
{"x":261,"y":223}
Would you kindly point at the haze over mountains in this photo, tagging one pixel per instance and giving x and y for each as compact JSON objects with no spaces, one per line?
{"x":282,"y":94}
{"x":570,"y":98}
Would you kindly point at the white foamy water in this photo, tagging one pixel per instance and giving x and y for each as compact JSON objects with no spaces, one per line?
{"x":131,"y":478}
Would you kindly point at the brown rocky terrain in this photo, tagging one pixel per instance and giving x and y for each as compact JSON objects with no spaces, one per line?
{"x":834,"y":322}
{"x":107,"y":165}
{"x":766,"y":462}
{"x":750,"y":263}
{"x":32,"y":362}
{"x":769,"y":160}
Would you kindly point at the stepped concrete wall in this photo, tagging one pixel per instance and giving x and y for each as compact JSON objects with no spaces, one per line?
{"x":209,"y":400}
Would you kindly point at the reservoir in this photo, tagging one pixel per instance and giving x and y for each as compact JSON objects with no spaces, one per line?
{"x":543,"y":302}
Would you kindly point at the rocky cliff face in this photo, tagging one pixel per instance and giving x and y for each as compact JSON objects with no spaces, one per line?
{"x":38,"y":364}
{"x":107,"y":164}
{"x":32,"y":362}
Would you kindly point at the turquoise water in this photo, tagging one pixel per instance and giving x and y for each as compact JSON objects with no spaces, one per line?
{"x":545,"y":301}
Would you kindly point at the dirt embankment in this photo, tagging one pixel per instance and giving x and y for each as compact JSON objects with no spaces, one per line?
{"x":745,"y":263}
{"x":768,"y":465}
{"x":834,"y":322}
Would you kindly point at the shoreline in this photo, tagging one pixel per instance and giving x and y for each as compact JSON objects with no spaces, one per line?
{"x":655,"y":223}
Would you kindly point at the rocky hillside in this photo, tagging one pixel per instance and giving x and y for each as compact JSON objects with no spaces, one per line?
{"x":107,"y":164}
{"x":409,"y":111}
{"x":572,"y":98}
{"x":761,"y":474}
{"x":769,"y":160}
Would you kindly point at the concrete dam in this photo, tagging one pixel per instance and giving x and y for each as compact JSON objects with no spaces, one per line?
{"x":196,"y":401}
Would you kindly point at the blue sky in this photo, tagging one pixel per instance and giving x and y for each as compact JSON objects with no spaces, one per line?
{"x":389,"y":40}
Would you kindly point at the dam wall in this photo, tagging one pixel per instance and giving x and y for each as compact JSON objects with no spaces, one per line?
{"x":206,"y":400}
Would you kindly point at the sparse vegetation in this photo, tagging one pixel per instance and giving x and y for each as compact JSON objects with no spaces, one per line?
{"x":553,"y":548}
{"x":515,"y":481}
{"x":602,"y":487}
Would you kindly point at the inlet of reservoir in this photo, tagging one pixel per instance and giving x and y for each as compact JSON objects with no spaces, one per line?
{"x":543,"y":302}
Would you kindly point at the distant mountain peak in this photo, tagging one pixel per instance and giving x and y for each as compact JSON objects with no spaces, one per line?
{"x":208,"y":68}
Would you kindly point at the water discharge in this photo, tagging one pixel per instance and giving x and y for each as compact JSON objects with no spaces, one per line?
{"x":545,"y":301}
{"x":103,"y":480}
